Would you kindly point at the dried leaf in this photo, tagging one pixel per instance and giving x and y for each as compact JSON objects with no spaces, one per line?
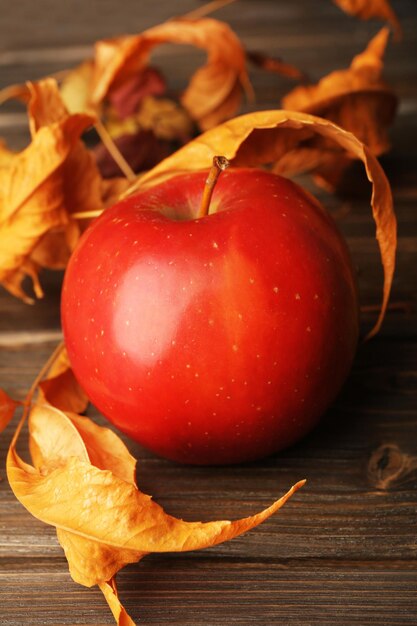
{"x":109,"y":590}
{"x":75,"y":88}
{"x":356,"y":99}
{"x":7,"y":409}
{"x":276,"y":66}
{"x":82,"y":483}
{"x":265,"y":137}
{"x":61,"y":389}
{"x":215,"y":89}
{"x":368,"y":9}
{"x":6,"y":155}
{"x":40,"y":188}
{"x":127,"y":99}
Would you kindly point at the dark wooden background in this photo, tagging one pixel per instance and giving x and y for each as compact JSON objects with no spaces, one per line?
{"x":344,"y":550}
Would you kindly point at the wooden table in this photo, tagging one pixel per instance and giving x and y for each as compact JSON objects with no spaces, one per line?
{"x":344,"y":550}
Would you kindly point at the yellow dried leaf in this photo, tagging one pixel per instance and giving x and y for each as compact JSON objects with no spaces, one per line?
{"x":368,"y":9}
{"x":266,"y":137}
{"x":214,"y":91}
{"x":41,"y":186}
{"x":6,"y":155}
{"x":82,"y":483}
{"x":75,"y":87}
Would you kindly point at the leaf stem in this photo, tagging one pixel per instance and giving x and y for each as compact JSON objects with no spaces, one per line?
{"x":114,"y":151}
{"x":85,"y":215}
{"x":206,"y":9}
{"x":28,"y":399}
{"x":220,"y":163}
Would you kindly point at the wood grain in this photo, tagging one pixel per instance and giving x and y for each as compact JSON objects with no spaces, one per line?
{"x":344,"y":550}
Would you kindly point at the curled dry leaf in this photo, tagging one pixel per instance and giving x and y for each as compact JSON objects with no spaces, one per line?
{"x":41,"y":186}
{"x":215,"y":90}
{"x":276,"y":66}
{"x":265,"y":137}
{"x":61,"y":389}
{"x":358,"y":100}
{"x":7,"y":409}
{"x":368,"y":9}
{"x":83,"y":483}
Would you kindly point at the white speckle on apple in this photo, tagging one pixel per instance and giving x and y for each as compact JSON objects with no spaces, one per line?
{"x":214,"y":414}
{"x":297,"y":296}
{"x":234,"y":348}
{"x":188,"y":366}
{"x":196,"y":375}
{"x":269,"y":382}
{"x":245,"y":382}
{"x":135,"y":243}
{"x":130,"y":388}
{"x":215,"y":245}
{"x":173,"y":342}
{"x":316,"y":296}
{"x":127,"y":322}
{"x":96,"y":370}
{"x":308,"y":329}
{"x":275,"y":289}
{"x":240,"y":316}
{"x":259,"y":408}
{"x":221,"y":388}
{"x":228,"y":398}
{"x":188,"y":423}
{"x":211,"y":322}
{"x":284,"y":214}
{"x":258,"y":356}
{"x":102,"y":332}
{"x":251,"y":280}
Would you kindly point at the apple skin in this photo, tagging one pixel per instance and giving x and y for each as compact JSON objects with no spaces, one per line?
{"x":215,"y":340}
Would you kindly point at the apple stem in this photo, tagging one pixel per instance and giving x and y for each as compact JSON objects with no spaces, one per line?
{"x":220,"y":163}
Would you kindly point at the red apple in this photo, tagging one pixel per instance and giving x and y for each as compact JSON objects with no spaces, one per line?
{"x":217,"y":339}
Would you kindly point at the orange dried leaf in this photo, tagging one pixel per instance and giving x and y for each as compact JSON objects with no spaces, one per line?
{"x":357,"y":98}
{"x":266,"y":137}
{"x":40,"y":188}
{"x":7,"y":409}
{"x":109,"y":590}
{"x":273,"y":65}
{"x":368,"y":9}
{"x":61,"y":389}
{"x":215,"y":90}
{"x":82,"y":483}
